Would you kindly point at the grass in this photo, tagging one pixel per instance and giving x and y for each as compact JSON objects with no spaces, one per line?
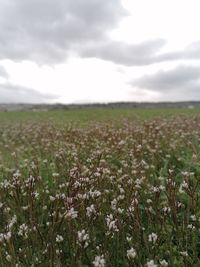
{"x":101,"y":188}
{"x":98,"y":114}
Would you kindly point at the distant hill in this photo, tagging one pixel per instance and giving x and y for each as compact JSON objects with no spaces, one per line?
{"x":47,"y":107}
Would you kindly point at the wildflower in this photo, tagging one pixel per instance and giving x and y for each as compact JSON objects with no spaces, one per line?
{"x":166,"y":209}
{"x":153,"y":237}
{"x":25,"y":207}
{"x":128,"y":238}
{"x":9,"y":258}
{"x":131,"y":253}
{"x":114,"y":204}
{"x":7,"y":236}
{"x":111,"y":223}
{"x":193,"y":218}
{"x":184,"y":253}
{"x":59,"y":239}
{"x":83,"y":238}
{"x":151,"y":263}
{"x":52,"y":198}
{"x":120,"y":211}
{"x":55,"y":174}
{"x":99,"y":261}
{"x":23,"y":231}
{"x":12,"y":222}
{"x":1,"y":238}
{"x":72,"y":214}
{"x":190,"y":226}
{"x":90,"y":210}
{"x":35,"y":195}
{"x":122,"y":142}
{"x":161,"y":187}
{"x":183,"y":186}
{"x":164,"y":263}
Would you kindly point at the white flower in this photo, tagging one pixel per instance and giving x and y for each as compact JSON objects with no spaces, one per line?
{"x":151,"y":263}
{"x":193,"y":218}
{"x":55,"y":174}
{"x":90,"y":210}
{"x":190,"y":226}
{"x":122,"y":142}
{"x":94,"y":194}
{"x":184,"y":253}
{"x":120,"y":210}
{"x":183,"y":186}
{"x":131,"y":253}
{"x":23,"y":231}
{"x":9,"y":258}
{"x":83,"y":238}
{"x":12,"y":222}
{"x":7,"y":236}
{"x":166,"y":209}
{"x":71,"y":214}
{"x":153,"y":237}
{"x":52,"y":198}
{"x":59,"y":239}
{"x":1,"y":238}
{"x":128,"y":238}
{"x":164,"y":263}
{"x":99,"y":261}
{"x":162,"y":187}
{"x":111,"y":223}
{"x":114,"y":204}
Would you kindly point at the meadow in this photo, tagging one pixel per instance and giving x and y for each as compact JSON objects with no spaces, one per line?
{"x":100,"y":188}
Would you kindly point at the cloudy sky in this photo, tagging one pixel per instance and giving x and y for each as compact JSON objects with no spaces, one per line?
{"x":83,"y":51}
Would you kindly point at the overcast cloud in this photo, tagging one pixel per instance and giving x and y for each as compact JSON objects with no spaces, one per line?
{"x":144,"y":53}
{"x":46,"y":31}
{"x":140,"y":54}
{"x":51,"y":32}
{"x":191,"y":52}
{"x":182,"y":82}
{"x":3,"y":72}
{"x":10,"y":93}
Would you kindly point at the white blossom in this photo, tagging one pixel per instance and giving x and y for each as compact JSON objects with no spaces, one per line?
{"x":83,"y":238}
{"x":131,"y":253}
{"x":99,"y":261}
{"x":151,"y":263}
{"x":59,"y":239}
{"x":153,"y":237}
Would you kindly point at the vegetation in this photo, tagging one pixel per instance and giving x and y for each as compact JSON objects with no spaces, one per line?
{"x":101,"y":188}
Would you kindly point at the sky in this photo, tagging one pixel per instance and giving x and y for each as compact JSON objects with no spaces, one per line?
{"x":86,"y":51}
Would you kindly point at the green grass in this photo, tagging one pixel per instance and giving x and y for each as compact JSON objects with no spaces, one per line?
{"x":98,"y":114}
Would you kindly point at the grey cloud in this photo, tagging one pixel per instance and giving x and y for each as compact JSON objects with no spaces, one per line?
{"x":144,"y":53}
{"x":3,"y":72}
{"x":10,"y":93}
{"x":182,"y":76}
{"x":191,"y":52}
{"x":182,"y":82}
{"x":47,"y":30}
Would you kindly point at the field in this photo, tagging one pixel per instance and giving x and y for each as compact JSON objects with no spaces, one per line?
{"x":100,"y":188}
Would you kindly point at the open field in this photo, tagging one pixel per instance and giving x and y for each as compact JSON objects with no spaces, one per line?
{"x":95,"y":114}
{"x":100,"y":187}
